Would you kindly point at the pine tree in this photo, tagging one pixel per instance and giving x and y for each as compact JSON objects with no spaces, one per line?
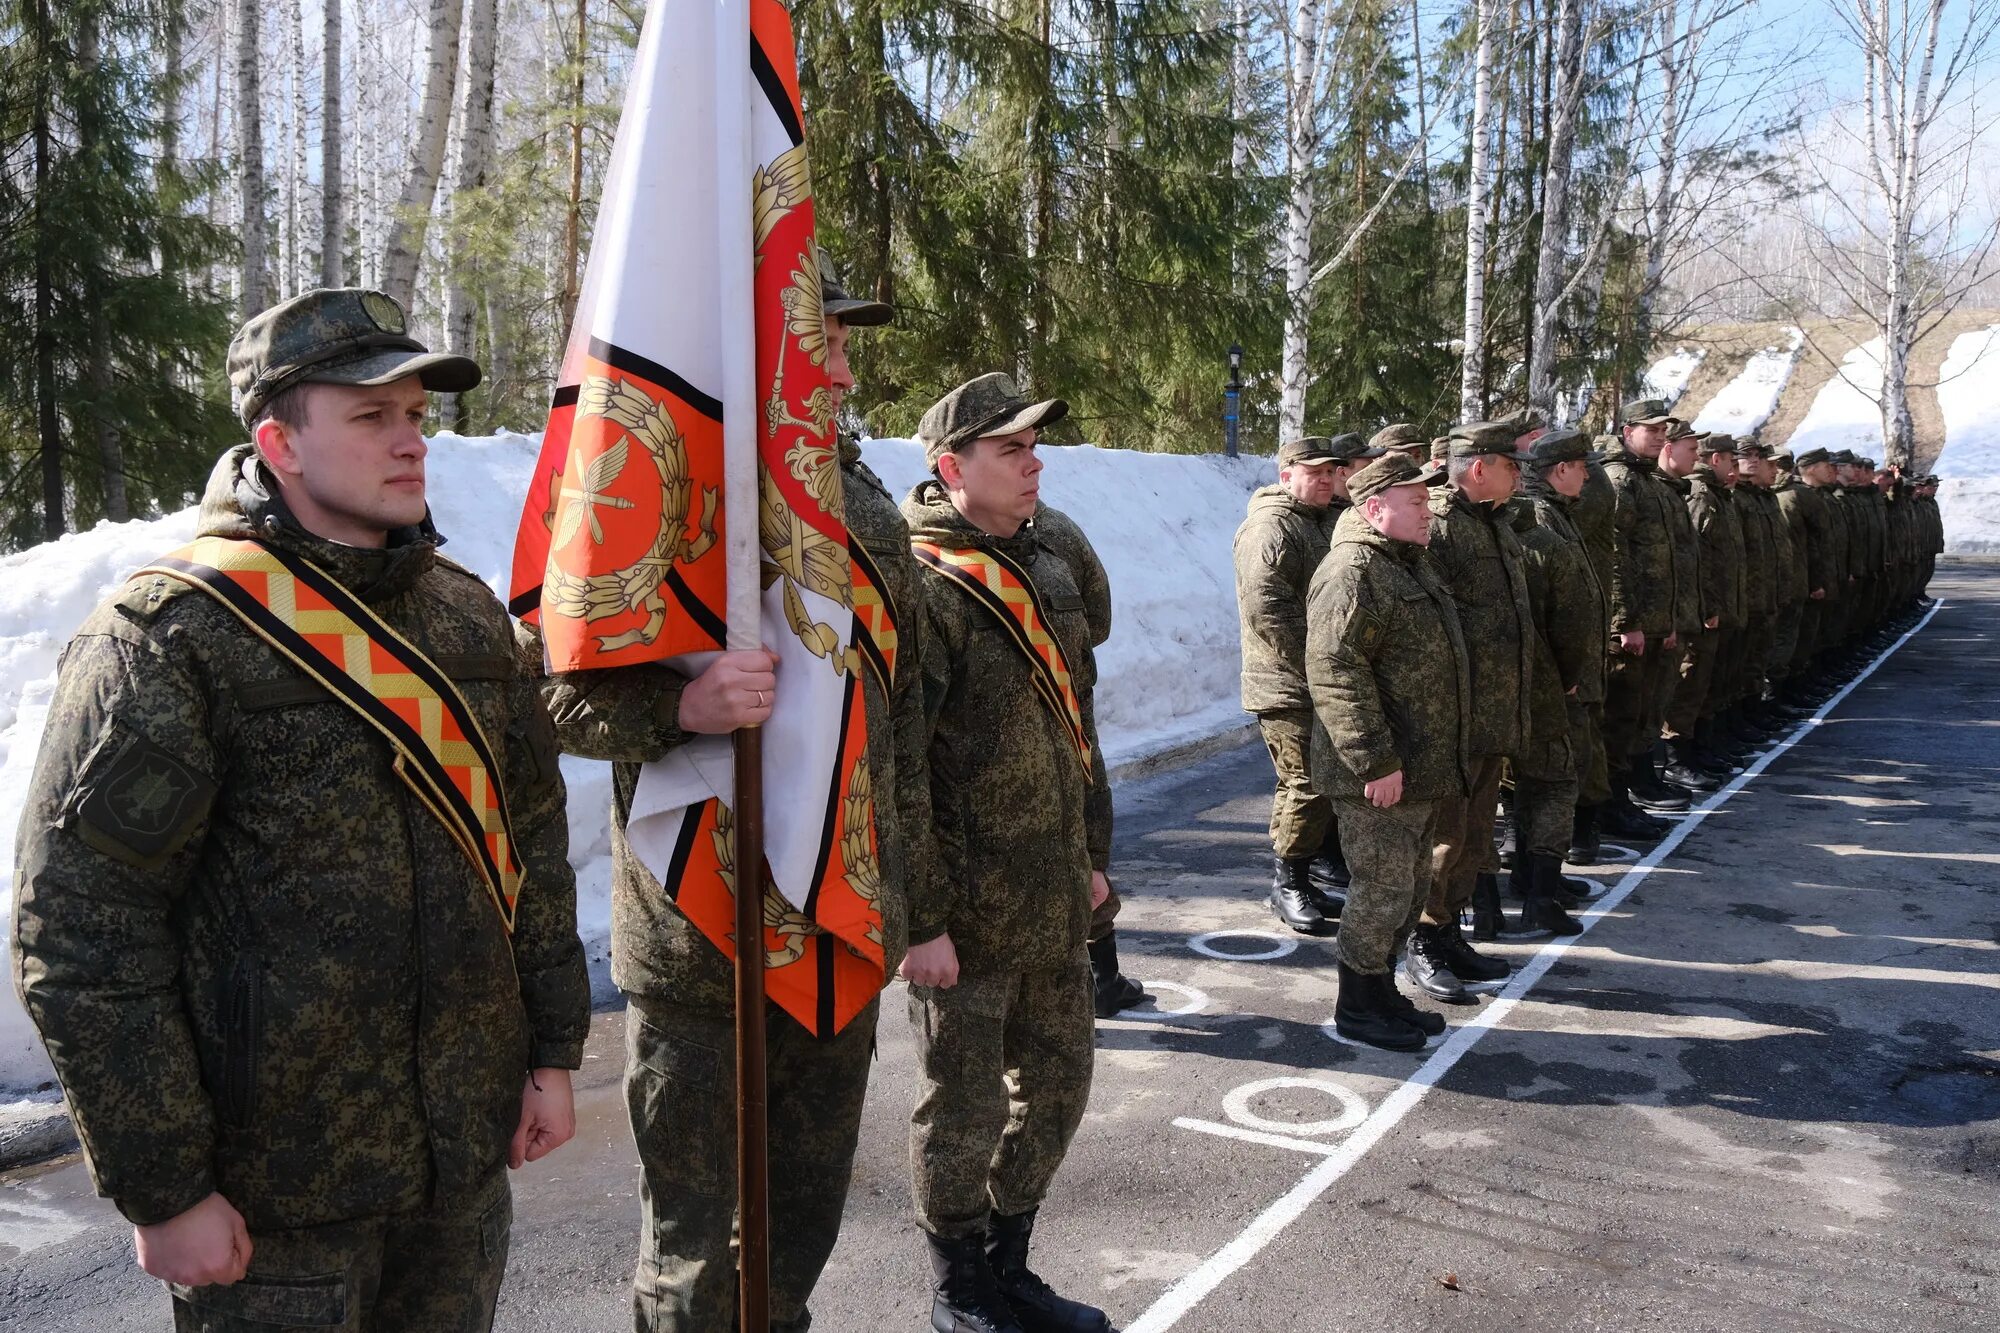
{"x":110,"y":397}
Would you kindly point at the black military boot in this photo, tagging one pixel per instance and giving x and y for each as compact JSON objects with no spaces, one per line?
{"x":1711,"y":755}
{"x":1033,"y":1302}
{"x":1621,"y":818}
{"x":1734,"y":724}
{"x":964,"y":1296}
{"x":1423,"y":963}
{"x":1392,"y":998}
{"x":1465,"y":962}
{"x":1585,"y":846}
{"x":1362,"y":1013}
{"x":1291,"y":897}
{"x":1541,"y":910}
{"x":1649,"y":791}
{"x":1684,"y":768}
{"x":1111,"y":991}
{"x":1330,"y":875}
{"x":1487,"y":916}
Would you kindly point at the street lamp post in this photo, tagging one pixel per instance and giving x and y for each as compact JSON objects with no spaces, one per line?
{"x":1231,"y":393}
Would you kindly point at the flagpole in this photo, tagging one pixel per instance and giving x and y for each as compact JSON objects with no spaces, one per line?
{"x":735,"y":163}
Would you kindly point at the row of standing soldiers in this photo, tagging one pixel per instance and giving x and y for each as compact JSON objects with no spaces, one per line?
{"x":1517,"y":620}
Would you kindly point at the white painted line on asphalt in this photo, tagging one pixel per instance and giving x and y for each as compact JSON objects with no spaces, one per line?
{"x":1197,"y":1000}
{"x":1177,"y":1300}
{"x":1204,"y":945}
{"x":1255,"y":1136}
{"x":1353,"y":1110}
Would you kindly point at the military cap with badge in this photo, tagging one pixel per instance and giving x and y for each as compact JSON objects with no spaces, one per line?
{"x":335,"y":335}
{"x":988,"y":405}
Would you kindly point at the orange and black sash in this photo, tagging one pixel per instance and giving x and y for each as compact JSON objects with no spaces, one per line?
{"x":1004,"y":589}
{"x":332,"y":636}
{"x":874,"y":616}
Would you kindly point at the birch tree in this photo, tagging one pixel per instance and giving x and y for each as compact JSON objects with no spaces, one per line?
{"x":475,"y":155}
{"x":331,"y":240}
{"x":250,"y":188}
{"x":405,"y":245}
{"x":1304,"y":133}
{"x":1472,"y":374}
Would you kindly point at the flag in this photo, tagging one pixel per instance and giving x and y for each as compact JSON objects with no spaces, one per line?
{"x":699,"y":349}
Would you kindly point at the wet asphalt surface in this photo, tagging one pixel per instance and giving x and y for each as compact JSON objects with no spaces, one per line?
{"x":1762,"y":1092}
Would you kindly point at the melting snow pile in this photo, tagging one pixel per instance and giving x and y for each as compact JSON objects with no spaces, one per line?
{"x":1745,"y":403}
{"x":1969,"y":468}
{"x":1162,"y":524}
{"x":1847,"y":414}
{"x":1668,"y":377}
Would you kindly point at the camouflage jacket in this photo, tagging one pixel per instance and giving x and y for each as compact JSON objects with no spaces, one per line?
{"x":1061,"y":533}
{"x":1594,"y":513}
{"x":260,"y":964}
{"x":1279,"y":545}
{"x":1475,"y":554}
{"x":1017,"y":821}
{"x":1759,"y":577}
{"x":1718,"y":533}
{"x":1387,"y":665}
{"x":629,"y":716}
{"x":1805,"y":514}
{"x":1643,"y":574}
{"x":1839,"y":531}
{"x":1933,"y":526}
{"x":1571,"y":614}
{"x":1789,"y":567}
{"x":1865,"y":548}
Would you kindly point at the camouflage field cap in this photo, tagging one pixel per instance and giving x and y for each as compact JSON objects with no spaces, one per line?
{"x":1343,"y":448}
{"x":335,"y":335}
{"x":1782,"y":460}
{"x":1386,"y":471}
{"x":835,"y":303}
{"x":1564,"y":444}
{"x":1681,"y":430}
{"x":988,"y":405}
{"x":1527,"y":421}
{"x":1811,"y":457}
{"x":1718,"y":442}
{"x":1842,"y":458}
{"x":1397,"y":435}
{"x":1752,"y":449}
{"x":1485,"y":439}
{"x":1645,"y":412}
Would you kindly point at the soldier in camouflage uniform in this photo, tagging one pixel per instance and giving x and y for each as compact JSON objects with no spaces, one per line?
{"x":680,"y":1033}
{"x":1476,"y":555}
{"x":1387,"y":666}
{"x":1280,"y":543}
{"x":1112,"y":991}
{"x":1646,"y":611}
{"x":1023,"y":841}
{"x":297,"y":1040}
{"x":1818,"y":470}
{"x":1402,"y":437}
{"x":1718,"y":528}
{"x":1785,"y":574}
{"x":1930,"y":544}
{"x":1571,"y":627}
{"x":1799,"y":505}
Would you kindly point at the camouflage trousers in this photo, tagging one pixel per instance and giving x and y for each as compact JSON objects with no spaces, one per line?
{"x":1004,"y":1064}
{"x":1758,"y":639}
{"x":1811,"y":615}
{"x":1586,"y":743}
{"x":680,"y":1092}
{"x":1785,"y":643}
{"x":1463,"y":841}
{"x":1637,"y":690}
{"x":1389,"y":855}
{"x":1691,"y":701}
{"x":1299,"y":815}
{"x":437,"y":1271}
{"x":1732,"y":669}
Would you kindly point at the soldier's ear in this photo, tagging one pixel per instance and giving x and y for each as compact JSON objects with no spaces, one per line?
{"x":949,"y":472}
{"x":274,"y":444}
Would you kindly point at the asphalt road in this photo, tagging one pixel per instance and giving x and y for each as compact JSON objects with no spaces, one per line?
{"x":1760,"y":1093}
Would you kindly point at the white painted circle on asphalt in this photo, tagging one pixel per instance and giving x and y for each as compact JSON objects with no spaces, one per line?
{"x":1353,"y":1110}
{"x":1196,"y":1000}
{"x":1280,"y":945}
{"x":1624,"y":853}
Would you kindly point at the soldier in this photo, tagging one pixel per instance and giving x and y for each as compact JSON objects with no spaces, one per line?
{"x":1279,"y":545}
{"x":1787,"y":576}
{"x":1805,"y":520}
{"x":305,"y":1009}
{"x":1022,"y":845}
{"x":1822,"y":473}
{"x":1404,"y":438}
{"x":1594,"y":515}
{"x":1386,"y":664}
{"x":1571,"y":623}
{"x":1476,"y":556}
{"x":1646,"y":609}
{"x":1931,"y":541}
{"x":680,"y":1032}
{"x":1718,"y":529}
{"x":1112,"y":992}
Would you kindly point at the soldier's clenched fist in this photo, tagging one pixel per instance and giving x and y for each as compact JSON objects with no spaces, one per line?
{"x":206,"y":1246}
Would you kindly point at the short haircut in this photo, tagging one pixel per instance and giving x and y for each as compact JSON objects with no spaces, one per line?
{"x":290,"y":407}
{"x":1461,"y":465}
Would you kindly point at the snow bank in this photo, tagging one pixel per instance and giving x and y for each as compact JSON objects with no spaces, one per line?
{"x":1161,"y":522}
{"x":1969,"y":468}
{"x":1668,"y":377}
{"x":1847,"y":413}
{"x":1745,"y":403}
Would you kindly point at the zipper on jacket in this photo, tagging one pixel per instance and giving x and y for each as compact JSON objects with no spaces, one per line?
{"x":243,"y":1038}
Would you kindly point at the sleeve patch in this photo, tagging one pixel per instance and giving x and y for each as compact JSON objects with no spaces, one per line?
{"x":136,"y":802}
{"x":1364,"y":633}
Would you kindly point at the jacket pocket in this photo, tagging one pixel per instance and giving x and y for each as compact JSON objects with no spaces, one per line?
{"x":242,"y":1038}
{"x":274,"y":1302}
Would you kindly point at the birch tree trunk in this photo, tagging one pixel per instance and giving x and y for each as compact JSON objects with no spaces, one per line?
{"x":1472,"y":377}
{"x":475,"y":156}
{"x":404,"y":250}
{"x":292,"y":261}
{"x":1676,"y":58}
{"x":1302,"y":142}
{"x":1567,"y":98}
{"x":573,"y":216}
{"x":1239,"y":111}
{"x":255,"y":292}
{"x":331,"y":241}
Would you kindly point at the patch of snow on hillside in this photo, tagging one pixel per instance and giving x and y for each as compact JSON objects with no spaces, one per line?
{"x":1668,"y":377}
{"x":1969,"y":467}
{"x":1847,"y":414}
{"x":1744,"y":404}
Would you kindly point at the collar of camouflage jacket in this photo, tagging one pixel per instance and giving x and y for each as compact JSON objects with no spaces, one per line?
{"x":933,"y":517}
{"x":1275,"y":496}
{"x":850,"y":450}
{"x":1354,"y":530}
{"x":242,"y":502}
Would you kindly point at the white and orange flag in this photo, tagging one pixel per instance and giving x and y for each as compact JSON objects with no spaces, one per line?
{"x":695,"y":388}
